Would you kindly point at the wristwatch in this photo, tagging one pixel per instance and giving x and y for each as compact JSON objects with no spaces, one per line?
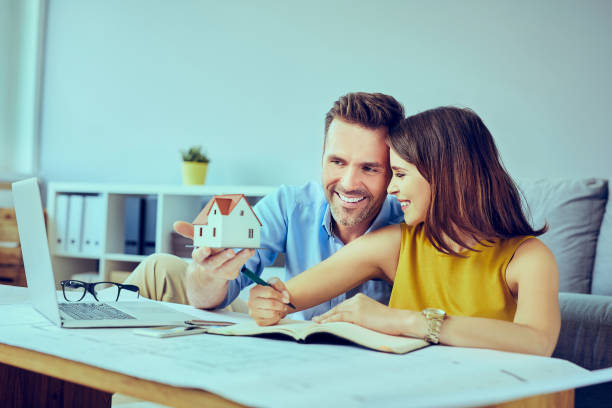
{"x":434,"y":318}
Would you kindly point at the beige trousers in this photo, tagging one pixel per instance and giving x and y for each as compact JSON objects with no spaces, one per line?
{"x":162,"y":277}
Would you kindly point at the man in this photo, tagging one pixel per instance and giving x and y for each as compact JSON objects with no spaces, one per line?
{"x":307,"y":223}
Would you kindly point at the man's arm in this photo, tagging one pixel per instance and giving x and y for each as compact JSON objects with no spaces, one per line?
{"x":209,"y":274}
{"x":210,"y":271}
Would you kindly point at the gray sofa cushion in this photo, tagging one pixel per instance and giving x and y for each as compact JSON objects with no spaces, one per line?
{"x":586,"y":330}
{"x":602,"y":271}
{"x":573,"y":210}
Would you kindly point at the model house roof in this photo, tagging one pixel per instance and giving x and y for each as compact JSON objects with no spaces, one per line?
{"x":226,"y":204}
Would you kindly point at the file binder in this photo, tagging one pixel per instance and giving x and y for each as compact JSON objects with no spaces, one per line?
{"x":75,"y":223}
{"x":150,"y":219}
{"x":93,"y":224}
{"x":134,"y":214}
{"x":61,"y":222}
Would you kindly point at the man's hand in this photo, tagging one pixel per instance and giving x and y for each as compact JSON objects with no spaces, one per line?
{"x":364,"y":311}
{"x":214,"y":263}
{"x":209,"y":273}
{"x":210,"y":270}
{"x":218,"y":263}
{"x":268,"y":304}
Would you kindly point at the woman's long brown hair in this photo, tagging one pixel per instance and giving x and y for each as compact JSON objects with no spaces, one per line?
{"x":472,"y":194}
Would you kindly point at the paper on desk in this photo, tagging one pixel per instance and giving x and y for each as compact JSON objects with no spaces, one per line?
{"x":276,"y":373}
{"x":20,"y":314}
{"x":13,"y":294}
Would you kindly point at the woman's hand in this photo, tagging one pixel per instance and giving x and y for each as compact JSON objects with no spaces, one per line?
{"x":366,"y":312}
{"x":268,"y":304}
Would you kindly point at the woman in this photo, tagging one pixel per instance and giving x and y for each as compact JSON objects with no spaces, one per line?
{"x":466,"y":267}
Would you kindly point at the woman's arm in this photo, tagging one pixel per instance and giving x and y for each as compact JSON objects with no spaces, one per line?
{"x":532,"y":274}
{"x":370,"y":256}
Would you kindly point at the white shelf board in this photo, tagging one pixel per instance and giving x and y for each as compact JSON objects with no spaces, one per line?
{"x":146,"y":189}
{"x":76,"y":255}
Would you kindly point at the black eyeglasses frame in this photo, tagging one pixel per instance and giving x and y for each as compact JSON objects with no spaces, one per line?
{"x":89,"y":287}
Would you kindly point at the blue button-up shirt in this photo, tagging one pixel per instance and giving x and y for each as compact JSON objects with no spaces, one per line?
{"x":297,"y":222}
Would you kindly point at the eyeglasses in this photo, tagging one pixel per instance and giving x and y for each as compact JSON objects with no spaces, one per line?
{"x":75,"y":290}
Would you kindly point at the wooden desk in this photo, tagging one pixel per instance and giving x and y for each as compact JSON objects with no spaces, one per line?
{"x":29,"y":378}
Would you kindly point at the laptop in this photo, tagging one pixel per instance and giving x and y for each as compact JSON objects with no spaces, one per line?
{"x":41,"y":281}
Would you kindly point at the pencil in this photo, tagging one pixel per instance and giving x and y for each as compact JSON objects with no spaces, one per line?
{"x":258,"y":280}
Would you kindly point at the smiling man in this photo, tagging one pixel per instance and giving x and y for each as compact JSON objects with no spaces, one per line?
{"x":355,"y":175}
{"x":307,"y":223}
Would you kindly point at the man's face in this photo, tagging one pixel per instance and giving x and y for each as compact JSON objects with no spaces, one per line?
{"x":355,"y":172}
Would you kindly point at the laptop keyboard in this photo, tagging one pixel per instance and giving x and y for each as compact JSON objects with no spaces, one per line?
{"x":93,"y":311}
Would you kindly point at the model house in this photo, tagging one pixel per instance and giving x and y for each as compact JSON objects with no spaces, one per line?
{"x":227,"y":221}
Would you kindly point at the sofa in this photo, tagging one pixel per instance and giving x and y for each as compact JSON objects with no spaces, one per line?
{"x":579,"y":216}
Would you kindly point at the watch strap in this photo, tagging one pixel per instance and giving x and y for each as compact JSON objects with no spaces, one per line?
{"x":434,"y":321}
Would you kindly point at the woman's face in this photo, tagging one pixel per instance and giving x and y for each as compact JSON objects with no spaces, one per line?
{"x":410,"y":188}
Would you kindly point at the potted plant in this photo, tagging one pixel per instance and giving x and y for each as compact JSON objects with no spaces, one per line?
{"x":195,"y":164}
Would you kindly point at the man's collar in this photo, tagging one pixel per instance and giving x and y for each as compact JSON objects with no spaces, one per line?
{"x":327,"y":221}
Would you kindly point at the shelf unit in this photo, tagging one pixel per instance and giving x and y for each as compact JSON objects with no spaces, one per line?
{"x":174,"y":203}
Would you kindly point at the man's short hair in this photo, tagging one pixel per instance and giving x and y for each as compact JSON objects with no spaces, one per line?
{"x":370,"y":110}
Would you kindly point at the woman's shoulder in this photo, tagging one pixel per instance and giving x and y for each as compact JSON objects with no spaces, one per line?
{"x":388,"y":231}
{"x":380,"y":240}
{"x":412,"y":232}
{"x":528,"y":243}
{"x":531,"y":255}
{"x":532,"y":247}
{"x":400,"y":230}
{"x":411,"y":229}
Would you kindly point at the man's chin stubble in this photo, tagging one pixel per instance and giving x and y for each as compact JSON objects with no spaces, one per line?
{"x":348,"y":221}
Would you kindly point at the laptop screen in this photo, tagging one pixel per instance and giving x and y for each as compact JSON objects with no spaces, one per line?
{"x":35,"y":248}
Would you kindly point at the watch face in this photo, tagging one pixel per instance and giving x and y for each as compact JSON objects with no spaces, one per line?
{"x":433,"y":312}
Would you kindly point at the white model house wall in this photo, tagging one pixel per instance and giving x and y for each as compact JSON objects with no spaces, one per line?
{"x":213,"y":232}
{"x":230,"y":230}
{"x":237,"y":225}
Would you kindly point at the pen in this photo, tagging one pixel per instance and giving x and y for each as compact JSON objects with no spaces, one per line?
{"x":199,"y":323}
{"x":258,"y":280}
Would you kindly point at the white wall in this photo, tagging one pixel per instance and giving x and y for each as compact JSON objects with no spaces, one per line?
{"x":129,"y":83}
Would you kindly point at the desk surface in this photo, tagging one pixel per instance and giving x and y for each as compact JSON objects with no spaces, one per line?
{"x":109,"y":381}
{"x":263,"y":372}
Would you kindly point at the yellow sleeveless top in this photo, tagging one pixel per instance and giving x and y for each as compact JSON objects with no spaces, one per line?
{"x":471,"y":286}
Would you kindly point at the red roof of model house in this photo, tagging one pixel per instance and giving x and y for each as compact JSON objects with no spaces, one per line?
{"x":226,"y":204}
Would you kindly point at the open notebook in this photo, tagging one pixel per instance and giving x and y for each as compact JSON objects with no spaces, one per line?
{"x":301,"y":330}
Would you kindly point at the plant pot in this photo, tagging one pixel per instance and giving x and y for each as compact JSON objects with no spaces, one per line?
{"x":194,"y":173}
